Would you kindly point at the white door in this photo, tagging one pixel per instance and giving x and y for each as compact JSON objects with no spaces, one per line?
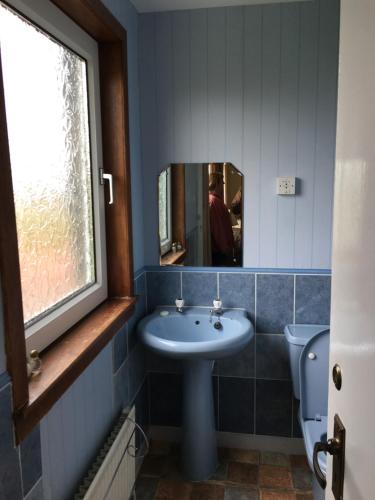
{"x":353,"y":283}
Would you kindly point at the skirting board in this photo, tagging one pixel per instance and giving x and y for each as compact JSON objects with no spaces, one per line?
{"x":233,"y":440}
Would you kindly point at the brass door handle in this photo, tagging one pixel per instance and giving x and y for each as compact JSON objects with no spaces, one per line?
{"x":335,"y":447}
{"x":332,"y":446}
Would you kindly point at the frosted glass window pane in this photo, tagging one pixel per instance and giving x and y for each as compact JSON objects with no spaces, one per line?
{"x":47,"y":116}
{"x":163,"y":223}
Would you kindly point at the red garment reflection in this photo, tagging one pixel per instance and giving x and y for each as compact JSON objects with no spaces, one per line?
{"x":222,"y":240}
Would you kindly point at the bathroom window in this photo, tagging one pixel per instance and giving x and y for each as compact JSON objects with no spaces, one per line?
{"x":83,"y":29}
{"x":165,"y":211}
{"x":51,"y":88}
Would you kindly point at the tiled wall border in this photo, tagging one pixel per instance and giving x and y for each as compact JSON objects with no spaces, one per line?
{"x":255,"y":270}
{"x":275,"y":300}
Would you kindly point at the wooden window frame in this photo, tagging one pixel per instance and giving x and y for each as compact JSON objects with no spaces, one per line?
{"x":178,"y":203}
{"x":68,"y":356}
{"x":177,"y":215}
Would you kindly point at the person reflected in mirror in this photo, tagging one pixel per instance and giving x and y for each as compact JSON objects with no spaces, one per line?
{"x":222,"y":241}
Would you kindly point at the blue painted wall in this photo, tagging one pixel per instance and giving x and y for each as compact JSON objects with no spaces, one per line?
{"x":255,"y":86}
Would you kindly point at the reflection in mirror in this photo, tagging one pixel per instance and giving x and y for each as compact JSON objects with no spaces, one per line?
{"x":201,"y":215}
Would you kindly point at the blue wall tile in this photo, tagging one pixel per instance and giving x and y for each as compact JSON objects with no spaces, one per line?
{"x":121,"y":387}
{"x":137,"y":370}
{"x":10,"y":476}
{"x":272,"y":359}
{"x":31,"y":459}
{"x":215,"y":389}
{"x":140,"y":310}
{"x":274,"y":408}
{"x":236,"y":405}
{"x":238,"y":290}
{"x":37,"y":492}
{"x":140,"y":284}
{"x":162,"y":364}
{"x":162,"y":289}
{"x":141,"y":291}
{"x":275,"y":301}
{"x":6,"y":421}
{"x":313,"y":299}
{"x":4,"y":379}
{"x":165,"y":399}
{"x":269,"y":365}
{"x":240,"y":365}
{"x":10,"y":473}
{"x":142,"y":413}
{"x":120,"y":348}
{"x":199,"y":289}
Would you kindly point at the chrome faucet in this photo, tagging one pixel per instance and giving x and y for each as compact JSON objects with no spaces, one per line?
{"x":179,"y":305}
{"x":217,"y":309}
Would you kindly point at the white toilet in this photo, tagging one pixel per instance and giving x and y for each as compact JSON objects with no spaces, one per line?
{"x":309,"y":361}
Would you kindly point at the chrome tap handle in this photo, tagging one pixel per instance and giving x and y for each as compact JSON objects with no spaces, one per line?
{"x":180,"y":303}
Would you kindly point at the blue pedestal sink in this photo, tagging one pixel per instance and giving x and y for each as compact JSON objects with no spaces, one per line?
{"x":197,"y":337}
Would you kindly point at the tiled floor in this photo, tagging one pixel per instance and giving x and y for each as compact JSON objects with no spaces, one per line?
{"x":241,"y":475}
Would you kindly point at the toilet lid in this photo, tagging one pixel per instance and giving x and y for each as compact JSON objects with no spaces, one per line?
{"x":314,"y":366}
{"x":300,"y":334}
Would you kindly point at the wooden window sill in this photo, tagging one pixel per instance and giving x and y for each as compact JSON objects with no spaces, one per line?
{"x":171,"y":258}
{"x":67,"y":358}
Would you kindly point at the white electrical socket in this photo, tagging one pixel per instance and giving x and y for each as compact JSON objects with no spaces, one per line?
{"x":286,"y":185}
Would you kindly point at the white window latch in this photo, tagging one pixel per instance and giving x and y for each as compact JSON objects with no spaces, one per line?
{"x":107,"y":177}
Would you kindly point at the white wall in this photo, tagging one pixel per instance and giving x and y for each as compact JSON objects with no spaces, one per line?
{"x":255,"y":86}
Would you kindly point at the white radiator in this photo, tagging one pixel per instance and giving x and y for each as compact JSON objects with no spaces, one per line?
{"x":112,"y":476}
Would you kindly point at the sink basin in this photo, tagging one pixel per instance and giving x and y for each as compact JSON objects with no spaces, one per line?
{"x":197,"y":339}
{"x":193,"y":334}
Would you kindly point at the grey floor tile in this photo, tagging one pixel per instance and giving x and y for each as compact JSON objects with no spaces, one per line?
{"x":145,"y":488}
{"x":302,"y":479}
{"x":240,"y":494}
{"x":272,"y":458}
{"x":221,"y":472}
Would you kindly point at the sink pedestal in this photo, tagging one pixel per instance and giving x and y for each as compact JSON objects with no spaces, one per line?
{"x":199,"y":448}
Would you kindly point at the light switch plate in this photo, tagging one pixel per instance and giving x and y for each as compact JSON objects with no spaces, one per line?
{"x":286,"y":185}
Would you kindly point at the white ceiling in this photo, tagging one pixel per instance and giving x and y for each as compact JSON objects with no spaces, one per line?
{"x":162,"y":5}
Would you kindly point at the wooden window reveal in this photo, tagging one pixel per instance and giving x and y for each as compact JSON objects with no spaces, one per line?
{"x":98,"y":22}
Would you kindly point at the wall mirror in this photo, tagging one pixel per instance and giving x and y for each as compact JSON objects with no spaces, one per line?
{"x":201,"y":215}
